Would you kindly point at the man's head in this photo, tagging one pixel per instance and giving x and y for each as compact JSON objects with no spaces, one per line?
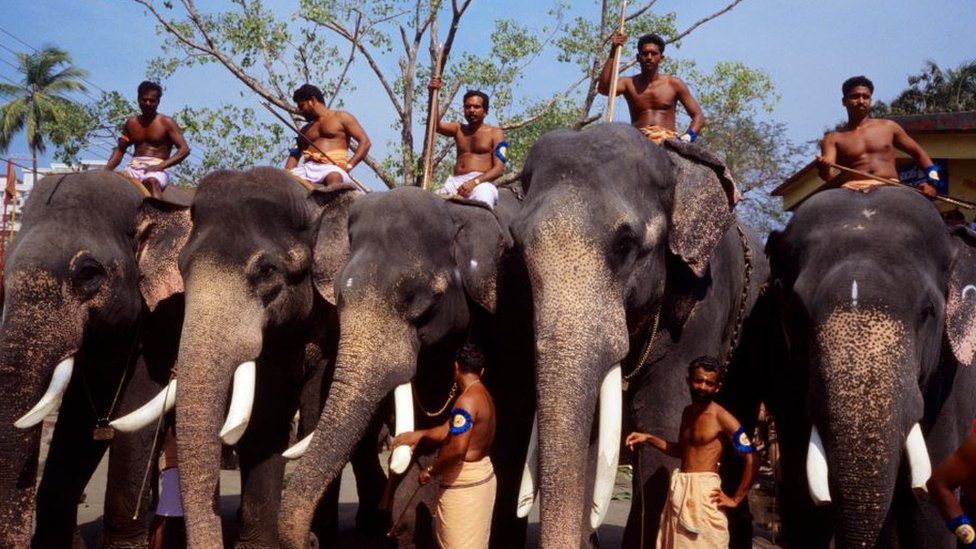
{"x":475,"y":106}
{"x":857,"y":95}
{"x":704,"y":379}
{"x":305,"y":99}
{"x":149,"y":94}
{"x":470,"y":360}
{"x":650,"y":52}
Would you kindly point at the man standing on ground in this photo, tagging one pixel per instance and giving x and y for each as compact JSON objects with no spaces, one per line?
{"x":480,"y":150}
{"x":652,"y":96}
{"x":467,"y":479}
{"x":154,"y":136}
{"x":867,"y":144}
{"x":329,"y":131}
{"x":693,"y":514}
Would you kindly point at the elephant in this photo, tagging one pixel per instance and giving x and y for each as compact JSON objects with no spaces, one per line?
{"x":92,"y":304}
{"x":424,"y":275}
{"x":258,"y":269}
{"x":634,"y":258}
{"x":871,"y":323}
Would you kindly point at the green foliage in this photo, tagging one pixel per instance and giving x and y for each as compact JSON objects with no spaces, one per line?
{"x":934,"y":90}
{"x":95,"y":123}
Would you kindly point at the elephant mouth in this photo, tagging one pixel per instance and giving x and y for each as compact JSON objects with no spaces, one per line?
{"x":238,"y":414}
{"x":50,"y":401}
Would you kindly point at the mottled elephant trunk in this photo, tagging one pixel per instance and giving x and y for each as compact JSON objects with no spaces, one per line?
{"x":222,"y":328}
{"x":869,"y":400}
{"x":31,"y":345}
{"x":377,"y":352}
{"x":581,"y":332}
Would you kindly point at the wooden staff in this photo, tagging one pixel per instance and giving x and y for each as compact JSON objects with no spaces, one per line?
{"x":890,"y":181}
{"x":612,"y":92}
{"x":433,"y":116}
{"x":285,"y":121}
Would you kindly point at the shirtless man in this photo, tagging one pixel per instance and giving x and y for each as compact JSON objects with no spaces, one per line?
{"x":330,"y":131}
{"x":957,"y":471}
{"x":651,"y":96}
{"x":867,"y":144}
{"x":154,"y":136}
{"x":480,"y":150}
{"x":693,"y":514}
{"x":467,"y":479}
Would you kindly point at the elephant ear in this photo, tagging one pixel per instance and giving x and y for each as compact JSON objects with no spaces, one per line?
{"x":961,"y":301}
{"x":704,"y":199}
{"x":162,"y":229}
{"x":331,"y":248}
{"x":479,"y":243}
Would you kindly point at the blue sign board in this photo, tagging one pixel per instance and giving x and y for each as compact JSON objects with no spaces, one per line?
{"x":913,"y":175}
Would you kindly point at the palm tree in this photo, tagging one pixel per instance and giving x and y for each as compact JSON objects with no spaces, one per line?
{"x":936,"y":90}
{"x":39,"y":99}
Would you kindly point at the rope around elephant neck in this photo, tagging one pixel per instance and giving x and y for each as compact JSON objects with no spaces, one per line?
{"x":650,"y":343}
{"x":450,"y":397}
{"x":743,"y":298}
{"x":101,"y":422}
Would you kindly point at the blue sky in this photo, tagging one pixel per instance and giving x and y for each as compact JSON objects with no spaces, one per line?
{"x":807,"y":47}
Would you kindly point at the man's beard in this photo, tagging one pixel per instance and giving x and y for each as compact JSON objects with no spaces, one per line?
{"x":701,"y":397}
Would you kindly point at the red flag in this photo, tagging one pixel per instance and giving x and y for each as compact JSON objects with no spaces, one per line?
{"x":11,"y":181}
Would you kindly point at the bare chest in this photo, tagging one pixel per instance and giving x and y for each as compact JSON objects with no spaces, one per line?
{"x":656,"y":95}
{"x":325,"y":128}
{"x":478,"y":142}
{"x":154,"y":133}
{"x":701,"y":431}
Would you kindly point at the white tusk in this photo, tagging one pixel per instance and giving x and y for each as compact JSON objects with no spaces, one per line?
{"x":817,"y":469}
{"x":52,"y":397}
{"x":149,"y":412}
{"x":298,"y":450}
{"x":403,"y":414}
{"x":608,"y":444}
{"x":241,"y":402}
{"x":918,"y":459}
{"x":529,"y":489}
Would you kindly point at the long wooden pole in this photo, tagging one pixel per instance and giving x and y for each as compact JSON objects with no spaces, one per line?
{"x":890,"y":181}
{"x":612,"y":92}
{"x":433,"y":115}
{"x":289,"y":125}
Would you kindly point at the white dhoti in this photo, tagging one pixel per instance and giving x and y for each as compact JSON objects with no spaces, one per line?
{"x":140,"y":169}
{"x":316,"y":172}
{"x":464,"y":509}
{"x":484,"y":192}
{"x":690,"y":518}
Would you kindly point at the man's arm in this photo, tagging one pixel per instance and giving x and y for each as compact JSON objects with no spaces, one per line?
{"x":672,"y":449}
{"x":949,"y":475}
{"x":355,"y":131}
{"x":828,"y":153}
{"x":603,"y":87}
{"x":176,"y":138}
{"x":447,"y":129}
{"x":743,"y":445}
{"x":295,"y":154}
{"x":119,"y":151}
{"x":911,"y":147}
{"x":691,"y":107}
{"x":460,"y":426}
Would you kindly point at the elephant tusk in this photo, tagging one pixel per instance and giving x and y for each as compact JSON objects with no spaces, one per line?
{"x":608,"y":444}
{"x":529,"y":489}
{"x":403,"y":404}
{"x":817,"y":469}
{"x":298,"y":450}
{"x":52,"y":397}
{"x":241,"y":402}
{"x":149,"y":412}
{"x":918,"y":459}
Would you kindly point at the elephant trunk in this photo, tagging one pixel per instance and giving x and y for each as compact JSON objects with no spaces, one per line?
{"x":581,"y":332}
{"x":32,"y":344}
{"x":222,"y":329}
{"x":377,"y":352}
{"x":869,"y":402}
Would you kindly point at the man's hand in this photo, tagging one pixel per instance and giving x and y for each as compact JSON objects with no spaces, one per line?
{"x":634,"y":439}
{"x":928,"y":190}
{"x":618,"y":39}
{"x":435,"y":83}
{"x":424,"y":476}
{"x":467,"y":187}
{"x":410,"y":438}
{"x":722,"y":500}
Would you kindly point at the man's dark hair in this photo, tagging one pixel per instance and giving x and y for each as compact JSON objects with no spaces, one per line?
{"x":651,"y":39}
{"x":707,"y":363}
{"x":477,"y":93}
{"x":147,"y":86}
{"x":306,"y":92}
{"x":856,"y":81}
{"x":470,"y":359}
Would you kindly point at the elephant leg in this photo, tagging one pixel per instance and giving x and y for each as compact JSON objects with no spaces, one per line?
{"x":71,"y":460}
{"x":370,"y":479}
{"x":650,"y":491}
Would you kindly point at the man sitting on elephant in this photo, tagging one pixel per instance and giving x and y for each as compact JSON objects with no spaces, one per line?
{"x":867,"y":144}
{"x":467,"y":490}
{"x":693,"y":515}
{"x":652,"y":96}
{"x":324,"y":143}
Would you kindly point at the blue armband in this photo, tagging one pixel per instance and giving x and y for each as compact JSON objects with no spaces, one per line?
{"x":963,"y":529}
{"x":932,"y":174}
{"x":689,"y":136}
{"x":293,"y":151}
{"x":741,"y":441}
{"x":460,"y":421}
{"x":501,"y":151}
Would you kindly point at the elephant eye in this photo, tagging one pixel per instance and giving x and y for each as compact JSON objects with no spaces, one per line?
{"x":623,"y":247}
{"x":88,"y":276}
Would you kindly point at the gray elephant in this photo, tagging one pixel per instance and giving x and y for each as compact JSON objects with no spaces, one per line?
{"x":91,"y":311}
{"x":424,"y":275}
{"x":872,"y":323}
{"x":634,"y":258}
{"x":258,"y":269}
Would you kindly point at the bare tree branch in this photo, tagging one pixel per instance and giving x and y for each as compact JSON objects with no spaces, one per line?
{"x":704,"y":20}
{"x":352,"y":55}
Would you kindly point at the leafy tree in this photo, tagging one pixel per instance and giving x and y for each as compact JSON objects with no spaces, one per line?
{"x":935,"y":90}
{"x":97,"y":123}
{"x":40,"y":99}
